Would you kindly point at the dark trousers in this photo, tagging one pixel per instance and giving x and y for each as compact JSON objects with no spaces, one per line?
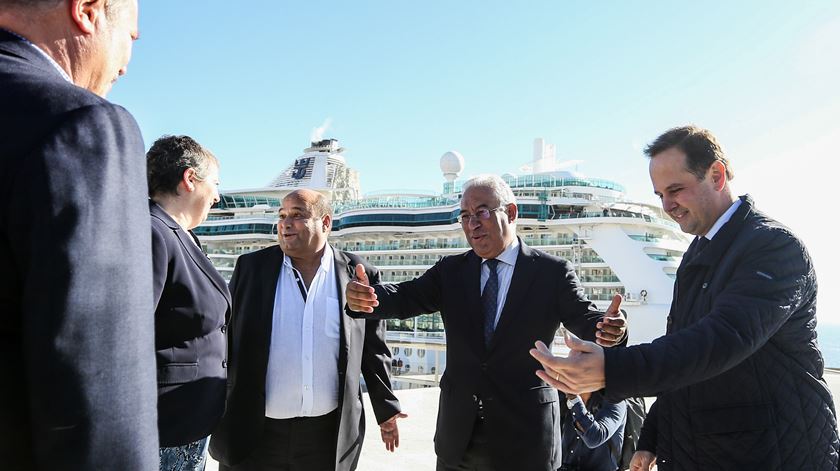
{"x":477,"y":456}
{"x":298,"y":444}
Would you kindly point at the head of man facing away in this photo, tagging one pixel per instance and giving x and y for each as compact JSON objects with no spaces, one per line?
{"x":90,"y":40}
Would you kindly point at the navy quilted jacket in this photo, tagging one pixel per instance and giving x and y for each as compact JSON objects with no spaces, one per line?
{"x":738,"y":375}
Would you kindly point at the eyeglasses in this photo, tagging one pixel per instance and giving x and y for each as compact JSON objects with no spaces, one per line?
{"x":480,"y":215}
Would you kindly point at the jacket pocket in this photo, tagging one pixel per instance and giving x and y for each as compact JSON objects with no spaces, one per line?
{"x":177,"y":373}
{"x":735,"y":438}
{"x":545,"y":394}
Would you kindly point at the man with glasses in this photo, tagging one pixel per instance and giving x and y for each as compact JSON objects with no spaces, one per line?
{"x":495,"y":301}
{"x":294,"y":400}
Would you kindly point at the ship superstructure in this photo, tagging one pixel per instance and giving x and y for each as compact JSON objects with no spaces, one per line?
{"x":616,"y":245}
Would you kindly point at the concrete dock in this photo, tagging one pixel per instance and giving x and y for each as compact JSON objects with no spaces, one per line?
{"x":416,"y":451}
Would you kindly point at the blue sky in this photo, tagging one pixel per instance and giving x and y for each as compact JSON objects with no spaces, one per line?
{"x":403,"y":82}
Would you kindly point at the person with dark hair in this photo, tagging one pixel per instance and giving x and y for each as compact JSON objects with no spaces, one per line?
{"x":738,"y":375}
{"x":192,"y":302}
{"x":77,"y":335}
{"x":295,"y":400}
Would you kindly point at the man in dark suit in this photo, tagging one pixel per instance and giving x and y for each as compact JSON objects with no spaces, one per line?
{"x":294,"y":399}
{"x":738,"y":375}
{"x":495,"y":300}
{"x":76,"y":301}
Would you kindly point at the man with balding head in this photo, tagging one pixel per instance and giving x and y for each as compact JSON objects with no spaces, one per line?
{"x":77,"y":334}
{"x":294,"y":399}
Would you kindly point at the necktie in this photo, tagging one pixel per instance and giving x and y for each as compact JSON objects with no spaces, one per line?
{"x":490,"y":300}
{"x":701,"y":244}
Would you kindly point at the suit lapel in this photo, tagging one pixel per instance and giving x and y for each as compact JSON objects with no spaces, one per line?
{"x":190,"y":246}
{"x":342,"y":277}
{"x":203,"y":263}
{"x":523,"y":275}
{"x":268,"y":276}
{"x":475,"y":317}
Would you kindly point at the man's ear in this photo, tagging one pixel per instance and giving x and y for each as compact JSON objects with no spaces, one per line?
{"x":718,"y":172}
{"x":513,"y":212}
{"x":327,"y":222}
{"x":85,"y":14}
{"x":188,"y":179}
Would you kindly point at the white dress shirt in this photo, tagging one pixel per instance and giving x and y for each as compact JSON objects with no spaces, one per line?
{"x":723,"y":219}
{"x":504,"y":272}
{"x":302,"y":375}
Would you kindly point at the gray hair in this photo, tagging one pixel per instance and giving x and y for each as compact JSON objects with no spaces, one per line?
{"x":169,"y":157}
{"x":501,"y":190}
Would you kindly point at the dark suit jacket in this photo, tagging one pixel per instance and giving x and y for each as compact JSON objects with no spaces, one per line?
{"x":76,"y":334}
{"x":193,"y":306}
{"x":522,"y":415}
{"x":362,"y":350}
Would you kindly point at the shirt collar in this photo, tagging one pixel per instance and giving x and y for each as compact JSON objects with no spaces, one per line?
{"x":326,"y":259}
{"x":723,"y":219}
{"x":509,"y":254}
{"x":52,"y":61}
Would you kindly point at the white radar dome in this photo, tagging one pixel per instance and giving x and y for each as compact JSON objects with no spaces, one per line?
{"x":451,"y":164}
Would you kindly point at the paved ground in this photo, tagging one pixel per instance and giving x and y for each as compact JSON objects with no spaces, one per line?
{"x":416,"y":451}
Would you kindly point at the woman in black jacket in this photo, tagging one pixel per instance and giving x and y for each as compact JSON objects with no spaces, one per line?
{"x":192,"y":302}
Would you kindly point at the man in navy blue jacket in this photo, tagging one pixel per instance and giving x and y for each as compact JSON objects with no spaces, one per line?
{"x":738,"y":376}
{"x":76,"y":334}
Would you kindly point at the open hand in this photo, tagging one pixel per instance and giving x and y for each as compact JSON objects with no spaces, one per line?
{"x":582,"y":371}
{"x":390,"y":432}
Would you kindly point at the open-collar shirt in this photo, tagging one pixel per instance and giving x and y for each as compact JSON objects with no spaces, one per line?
{"x":302,"y":375}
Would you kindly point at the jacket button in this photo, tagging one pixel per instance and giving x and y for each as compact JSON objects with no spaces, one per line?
{"x":484,"y":367}
{"x":224,"y":363}
{"x":224,"y":329}
{"x":705,"y":285}
{"x":475,"y":398}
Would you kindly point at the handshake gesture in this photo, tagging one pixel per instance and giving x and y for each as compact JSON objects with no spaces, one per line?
{"x":583,"y":370}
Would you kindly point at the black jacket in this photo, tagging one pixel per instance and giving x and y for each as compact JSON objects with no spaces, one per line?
{"x":522,"y":412}
{"x":192,"y":307}
{"x":738,"y":374}
{"x":76,"y":331}
{"x":362,"y":350}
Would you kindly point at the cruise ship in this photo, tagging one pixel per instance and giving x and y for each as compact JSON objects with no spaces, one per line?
{"x":616,"y":245}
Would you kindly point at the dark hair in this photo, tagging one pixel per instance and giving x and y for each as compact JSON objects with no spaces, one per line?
{"x":700,"y":146}
{"x":169,"y":157}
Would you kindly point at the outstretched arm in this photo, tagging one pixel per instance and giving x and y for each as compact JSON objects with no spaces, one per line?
{"x":596,"y":429}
